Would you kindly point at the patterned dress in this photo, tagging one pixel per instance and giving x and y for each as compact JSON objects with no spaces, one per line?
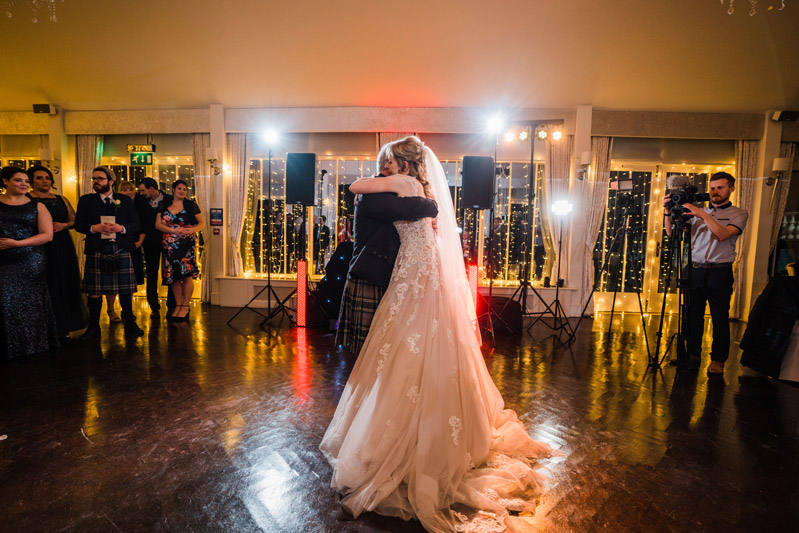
{"x":421,"y":430}
{"x":180,"y":256}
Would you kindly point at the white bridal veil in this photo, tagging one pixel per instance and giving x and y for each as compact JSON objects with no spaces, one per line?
{"x":449,"y":240}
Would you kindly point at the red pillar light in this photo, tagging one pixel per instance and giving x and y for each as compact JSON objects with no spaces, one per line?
{"x":302,"y":291}
{"x":473,"y":273}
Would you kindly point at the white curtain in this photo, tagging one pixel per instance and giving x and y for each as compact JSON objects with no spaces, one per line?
{"x":746,"y":184}
{"x":595,"y":201}
{"x":88,"y":154}
{"x":202,"y":187}
{"x":237,"y":175}
{"x":555,"y":187}
{"x":780,"y":193}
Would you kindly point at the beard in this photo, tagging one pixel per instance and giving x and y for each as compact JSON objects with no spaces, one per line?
{"x":102,"y":189}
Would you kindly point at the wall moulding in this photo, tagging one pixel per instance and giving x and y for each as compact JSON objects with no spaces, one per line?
{"x":375,"y":119}
{"x":23,"y":123}
{"x":677,"y":125}
{"x":144,"y":121}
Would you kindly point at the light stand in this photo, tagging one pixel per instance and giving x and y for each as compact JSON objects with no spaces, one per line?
{"x":622,"y":232}
{"x":280,"y":306}
{"x":524,"y":283}
{"x":560,"y":320}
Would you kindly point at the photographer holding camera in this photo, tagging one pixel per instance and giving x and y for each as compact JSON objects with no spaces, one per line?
{"x":714,"y":230}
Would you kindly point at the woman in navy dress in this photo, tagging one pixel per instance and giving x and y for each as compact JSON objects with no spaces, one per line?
{"x":27,"y":324}
{"x":63,"y":272}
{"x":180,"y":221}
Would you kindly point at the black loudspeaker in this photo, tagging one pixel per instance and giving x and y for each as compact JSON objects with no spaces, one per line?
{"x":300,"y":178}
{"x":509,"y":313}
{"x":478,"y":182}
{"x":785,"y":116}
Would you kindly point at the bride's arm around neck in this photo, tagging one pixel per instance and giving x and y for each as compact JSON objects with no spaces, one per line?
{"x":396,"y":184}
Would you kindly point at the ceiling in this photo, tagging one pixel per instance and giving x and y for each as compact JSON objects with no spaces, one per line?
{"x":686,"y":55}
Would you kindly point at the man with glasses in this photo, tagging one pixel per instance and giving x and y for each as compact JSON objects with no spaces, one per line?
{"x":111,"y":226}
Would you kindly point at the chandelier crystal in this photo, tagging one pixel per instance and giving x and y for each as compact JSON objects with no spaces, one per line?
{"x":34,"y":6}
{"x":752,"y":6}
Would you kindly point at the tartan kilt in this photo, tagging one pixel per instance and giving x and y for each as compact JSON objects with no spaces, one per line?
{"x":122,"y":281}
{"x":358,"y":306}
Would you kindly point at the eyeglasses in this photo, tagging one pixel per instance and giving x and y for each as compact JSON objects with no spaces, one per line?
{"x":95,"y":178}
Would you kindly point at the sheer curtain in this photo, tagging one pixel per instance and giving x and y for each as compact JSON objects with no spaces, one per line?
{"x":88,"y":154}
{"x":595,"y":200}
{"x":238,"y":159}
{"x":555,"y":187}
{"x":781,"y":193}
{"x":202,"y":187}
{"x":746,"y":183}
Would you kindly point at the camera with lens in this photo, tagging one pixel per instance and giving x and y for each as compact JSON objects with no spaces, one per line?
{"x":686,"y":194}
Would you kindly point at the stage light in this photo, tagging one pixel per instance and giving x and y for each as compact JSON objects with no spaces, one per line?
{"x":270,"y":136}
{"x":542,"y":134}
{"x":510,"y":136}
{"x":556,"y":135}
{"x":495,"y":124}
{"x":523,"y":135}
{"x":561,"y":208}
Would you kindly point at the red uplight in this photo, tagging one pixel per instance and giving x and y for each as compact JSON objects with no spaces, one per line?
{"x":302,"y":291}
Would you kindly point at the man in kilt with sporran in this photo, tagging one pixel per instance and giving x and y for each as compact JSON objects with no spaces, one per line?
{"x":111,"y":226}
{"x":375,"y":246}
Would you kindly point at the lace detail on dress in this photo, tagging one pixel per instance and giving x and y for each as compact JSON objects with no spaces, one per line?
{"x":514,"y":504}
{"x":384,"y":350}
{"x":483,"y":522}
{"x":457,"y":426}
{"x":413,"y":394}
{"x":412,"y":340}
{"x":470,"y":461}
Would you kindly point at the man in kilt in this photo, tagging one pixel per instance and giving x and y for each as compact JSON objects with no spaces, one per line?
{"x":109,"y":268}
{"x":375,"y":246}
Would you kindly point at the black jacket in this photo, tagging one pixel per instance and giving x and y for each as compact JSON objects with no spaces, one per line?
{"x":91,"y":207}
{"x":376,"y":241}
{"x":771,"y":321}
{"x":147,"y":215}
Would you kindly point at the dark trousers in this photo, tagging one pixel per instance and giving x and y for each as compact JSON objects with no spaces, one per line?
{"x":712,"y":286}
{"x":152,"y":265}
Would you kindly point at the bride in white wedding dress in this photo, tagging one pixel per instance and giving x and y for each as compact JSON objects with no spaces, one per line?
{"x":421,"y":430}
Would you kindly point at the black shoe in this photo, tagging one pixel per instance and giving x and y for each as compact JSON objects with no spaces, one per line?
{"x":133,"y":330}
{"x":91,"y":332}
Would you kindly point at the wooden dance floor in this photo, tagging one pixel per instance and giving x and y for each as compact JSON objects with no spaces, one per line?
{"x":202,"y":427}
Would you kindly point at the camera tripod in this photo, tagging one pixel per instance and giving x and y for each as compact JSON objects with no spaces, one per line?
{"x":620,"y":237}
{"x":679,"y":251}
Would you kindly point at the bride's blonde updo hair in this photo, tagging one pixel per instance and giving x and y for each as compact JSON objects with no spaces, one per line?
{"x":411,"y":150}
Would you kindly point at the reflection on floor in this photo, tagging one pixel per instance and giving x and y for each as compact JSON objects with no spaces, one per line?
{"x":201,"y":427}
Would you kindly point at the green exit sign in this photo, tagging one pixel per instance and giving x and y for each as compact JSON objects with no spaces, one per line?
{"x":141,"y":158}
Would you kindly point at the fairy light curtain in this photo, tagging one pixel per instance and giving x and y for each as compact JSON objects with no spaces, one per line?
{"x":781,"y":188}
{"x":384,"y":137}
{"x":202,"y":185}
{"x":595,"y":198}
{"x":88,"y":154}
{"x":556,"y":187}
{"x":237,"y":176}
{"x":745,"y":188}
